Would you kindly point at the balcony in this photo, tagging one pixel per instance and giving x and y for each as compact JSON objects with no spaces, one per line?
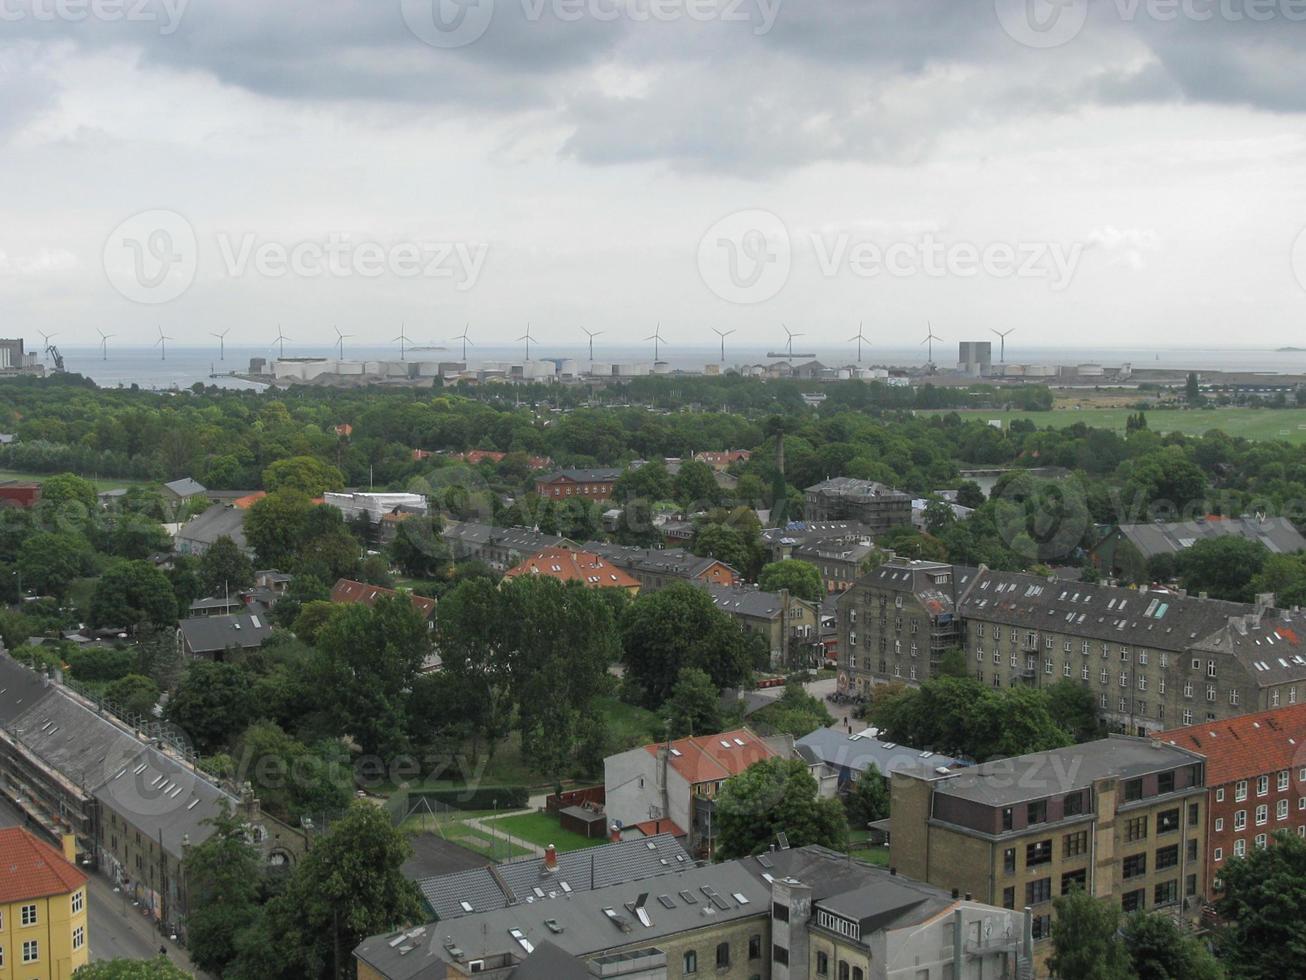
{"x":625,"y":964}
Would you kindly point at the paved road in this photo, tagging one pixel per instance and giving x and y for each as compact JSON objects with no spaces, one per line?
{"x":117,"y":928}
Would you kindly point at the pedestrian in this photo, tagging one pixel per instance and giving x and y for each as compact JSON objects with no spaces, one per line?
{"x":163,"y":951}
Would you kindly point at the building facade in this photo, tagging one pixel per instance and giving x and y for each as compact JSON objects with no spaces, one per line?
{"x":1121,"y":818}
{"x":499,"y":547}
{"x":43,"y":917}
{"x":571,"y":565}
{"x":656,"y":568}
{"x":845,"y":499}
{"x":790,"y":626}
{"x":592,"y":484}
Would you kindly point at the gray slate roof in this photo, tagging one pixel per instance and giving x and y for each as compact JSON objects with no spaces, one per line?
{"x":846,"y":486}
{"x":745,"y":601}
{"x":582,"y":870}
{"x":664,"y":561}
{"x":860,"y":750}
{"x":1273,"y":648}
{"x":597,"y":475}
{"x":185,"y":487}
{"x":217,"y":521}
{"x":473,"y":535}
{"x":213,"y":634}
{"x":1040,"y":774}
{"x":1276,"y":533}
{"x":805,"y":532}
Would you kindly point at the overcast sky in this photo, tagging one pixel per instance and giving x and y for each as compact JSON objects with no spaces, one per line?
{"x":1092,"y":172}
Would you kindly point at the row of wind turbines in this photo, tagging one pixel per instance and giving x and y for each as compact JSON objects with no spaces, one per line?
{"x":406,"y":345}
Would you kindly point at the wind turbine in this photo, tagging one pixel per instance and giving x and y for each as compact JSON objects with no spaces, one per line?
{"x":104,"y":343}
{"x":340,"y":341}
{"x":403,"y":339}
{"x":528,"y":338}
{"x":861,"y":338}
{"x":162,"y":343}
{"x":723,"y":334}
{"x":792,"y":335}
{"x":930,"y":338}
{"x":222,"y":342}
{"x":45,"y":341}
{"x":281,"y":343}
{"x":1002,"y":358}
{"x":465,"y":340}
{"x":657,"y":339}
{"x":591,"y":334}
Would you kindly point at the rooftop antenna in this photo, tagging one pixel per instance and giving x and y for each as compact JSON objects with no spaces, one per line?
{"x":402,"y":340}
{"x":1002,"y":358}
{"x":861,"y":338}
{"x":162,"y":343}
{"x":281,"y":342}
{"x":592,"y":334}
{"x":528,"y":338}
{"x":723,"y":334}
{"x":465,"y":340}
{"x":340,"y":341}
{"x":657,"y":339}
{"x":790,"y":342}
{"x":222,"y":343}
{"x":104,"y":343}
{"x":930,"y":338}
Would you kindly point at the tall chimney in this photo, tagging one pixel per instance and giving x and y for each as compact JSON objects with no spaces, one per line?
{"x":614,"y":834}
{"x":550,"y":859}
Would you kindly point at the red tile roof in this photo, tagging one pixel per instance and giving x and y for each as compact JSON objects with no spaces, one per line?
{"x":651,"y":828}
{"x":348,"y":591}
{"x":30,"y":868}
{"x":707,"y":758}
{"x":566,"y":565}
{"x":249,"y":500}
{"x":1246,"y":746}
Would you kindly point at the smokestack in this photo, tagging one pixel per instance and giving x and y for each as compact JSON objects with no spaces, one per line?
{"x":550,"y":859}
{"x":614,"y":834}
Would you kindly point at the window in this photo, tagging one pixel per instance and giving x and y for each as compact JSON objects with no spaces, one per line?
{"x":1136,"y":828}
{"x":1262,"y":785}
{"x":1042,"y":926}
{"x":1074,"y":879}
{"x":1036,"y":812}
{"x":1074,"y":844}
{"x":1133,"y":790}
{"x":1188,"y":689}
{"x":843,"y":970}
{"x":1009,"y":897}
{"x":1073,"y":805}
{"x":1038,"y":891}
{"x":822,"y":963}
{"x":79,"y":901}
{"x":1165,"y":782}
{"x":755,"y":948}
{"x":1240,"y":819}
{"x":780,"y":954}
{"x":1009,"y":861}
{"x":1167,"y":821}
{"x":780,"y":912}
{"x":1210,"y":692}
{"x":28,"y":915}
{"x":1188,"y":716}
{"x":1260,"y":841}
{"x":1167,"y":857}
{"x":1262,"y":815}
{"x":1166,"y":893}
{"x":690,"y":962}
{"x":1281,"y":810}
{"x":1132,"y":901}
{"x":1239,"y":847}
{"x":1192,"y":850}
{"x":1006,"y":818}
{"x":1240,"y":791}
{"x":1040,"y":852}
{"x":1194,"y":812}
{"x":1219,"y":795}
{"x":722,"y":956}
{"x":31,"y":951}
{"x":1283,"y":780}
{"x":79,"y":937}
{"x":1135,"y":865}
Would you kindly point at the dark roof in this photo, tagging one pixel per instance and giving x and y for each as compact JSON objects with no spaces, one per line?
{"x":745,"y":601}
{"x":185,"y":487}
{"x":664,"y":561}
{"x":859,"y":750}
{"x":806,"y":532}
{"x":598,"y":475}
{"x":551,"y":962}
{"x":1276,"y":533}
{"x":220,"y":520}
{"x":1040,"y":774}
{"x":845,"y":486}
{"x":582,"y":870}
{"x":1272,"y":648}
{"x":213,"y":634}
{"x":522,"y":539}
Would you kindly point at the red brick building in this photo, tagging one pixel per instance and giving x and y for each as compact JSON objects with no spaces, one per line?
{"x":567,"y":565}
{"x":723,"y":460}
{"x":1255,"y":778}
{"x":586,"y":484}
{"x":19,"y":493}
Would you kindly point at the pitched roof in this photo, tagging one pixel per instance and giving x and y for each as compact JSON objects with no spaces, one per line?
{"x":1271,"y":647}
{"x":860,"y":750}
{"x":523,"y":539}
{"x":348,"y":591}
{"x":566,"y":565}
{"x":1245,"y":746}
{"x":33,"y":869}
{"x":185,"y":487}
{"x":249,"y":500}
{"x":746,"y":601}
{"x":516,"y":882}
{"x":597,"y":475}
{"x":665,"y":561}
{"x":1276,"y":533}
{"x":846,"y":486}
{"x":219,"y":520}
{"x":706,"y":758}
{"x":213,"y":634}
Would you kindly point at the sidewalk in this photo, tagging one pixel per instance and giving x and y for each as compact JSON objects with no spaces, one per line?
{"x":118,"y":929}
{"x":486,"y":825}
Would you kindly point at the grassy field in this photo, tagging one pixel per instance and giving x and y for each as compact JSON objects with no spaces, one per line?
{"x":455,"y":829}
{"x":542,"y":829}
{"x":1258,"y":424}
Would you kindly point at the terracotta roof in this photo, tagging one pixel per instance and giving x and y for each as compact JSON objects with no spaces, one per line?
{"x":249,"y":500}
{"x":651,"y":828}
{"x":1245,"y":746}
{"x":33,"y":869}
{"x":707,"y":758}
{"x":348,"y":591}
{"x":574,"y":566}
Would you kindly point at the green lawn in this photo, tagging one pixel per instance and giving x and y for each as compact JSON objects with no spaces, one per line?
{"x":542,"y":829}
{"x":1258,"y":424}
{"x":630,"y":725}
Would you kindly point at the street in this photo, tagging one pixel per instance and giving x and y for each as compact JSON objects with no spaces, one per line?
{"x":117,"y":929}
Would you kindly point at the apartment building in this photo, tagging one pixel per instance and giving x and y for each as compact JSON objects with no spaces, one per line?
{"x":499,"y":547}
{"x":656,"y":568}
{"x":1121,"y":817}
{"x":790,"y":626}
{"x":592,"y":484}
{"x":43,"y":917}
{"x":570,"y":565}
{"x":1255,"y":779}
{"x":845,"y":499}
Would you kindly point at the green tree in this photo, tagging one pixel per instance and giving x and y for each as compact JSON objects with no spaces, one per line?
{"x":276,"y":526}
{"x":1258,"y":937}
{"x":1193,"y":390}
{"x":867,"y":799}
{"x":375,"y":570}
{"x":1224,"y":567}
{"x":1084,"y":941}
{"x":48,"y":561}
{"x":211,"y":705}
{"x":303,"y":474}
{"x":1074,"y":708}
{"x":696,"y":484}
{"x":801,"y":578}
{"x":419,"y":549}
{"x":224,"y":568}
{"x":133,"y":592}
{"x":724,"y":543}
{"x":155,"y":969}
{"x":291,"y":779}
{"x":66,"y":488}
{"x":223,"y":874}
{"x":795,"y":712}
{"x":1160,"y":950}
{"x":969,"y":494}
{"x":135,"y":536}
{"x":469,"y":633}
{"x":771,"y":796}
{"x":953,"y":663}
{"x":133,"y":694}
{"x":302,"y":590}
{"x":678,"y":627}
{"x":694,"y":707}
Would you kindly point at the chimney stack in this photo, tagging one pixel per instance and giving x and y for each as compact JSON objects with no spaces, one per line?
{"x":550,"y":859}
{"x":614,"y":834}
